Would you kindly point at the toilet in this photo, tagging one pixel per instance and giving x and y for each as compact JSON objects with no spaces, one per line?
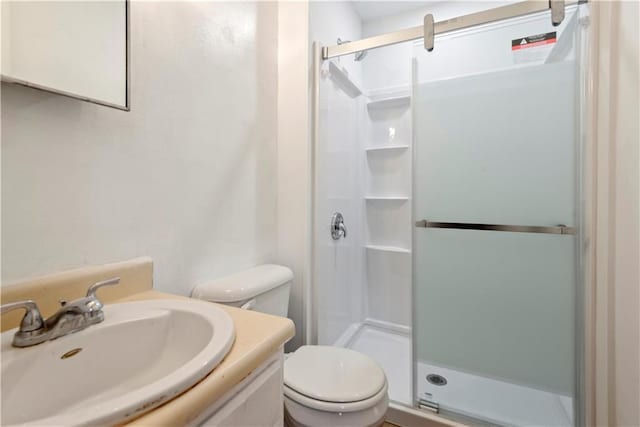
{"x":323,"y":385}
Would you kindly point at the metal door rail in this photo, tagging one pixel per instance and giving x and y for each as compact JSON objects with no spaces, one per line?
{"x":558,"y":229}
{"x":466,"y":21}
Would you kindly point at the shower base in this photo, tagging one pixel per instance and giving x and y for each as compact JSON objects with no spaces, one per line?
{"x":486,"y":399}
{"x":390,"y":346}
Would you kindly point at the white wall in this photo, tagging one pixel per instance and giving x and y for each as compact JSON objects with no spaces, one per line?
{"x":294,"y":163}
{"x":614,"y":351}
{"x":187,"y":177}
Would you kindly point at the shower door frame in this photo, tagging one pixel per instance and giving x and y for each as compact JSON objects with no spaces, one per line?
{"x":514,"y":10}
{"x":398,"y":412}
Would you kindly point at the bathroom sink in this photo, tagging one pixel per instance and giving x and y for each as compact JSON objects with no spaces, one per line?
{"x":143,"y":354}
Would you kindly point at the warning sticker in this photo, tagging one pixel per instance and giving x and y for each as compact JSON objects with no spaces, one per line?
{"x":533,"y":41}
{"x":532,"y":48}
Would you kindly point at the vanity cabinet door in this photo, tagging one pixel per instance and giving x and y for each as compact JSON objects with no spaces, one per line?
{"x":256,"y":401}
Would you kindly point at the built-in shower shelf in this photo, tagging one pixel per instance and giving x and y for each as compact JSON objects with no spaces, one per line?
{"x":387,"y":198}
{"x":394,"y":249}
{"x":391,"y":102}
{"x":386,"y":148}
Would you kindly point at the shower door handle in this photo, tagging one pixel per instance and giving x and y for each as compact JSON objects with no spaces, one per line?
{"x":555,"y":229}
{"x":338,"y":229}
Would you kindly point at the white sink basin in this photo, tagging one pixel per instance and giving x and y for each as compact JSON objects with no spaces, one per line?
{"x":143,"y":354}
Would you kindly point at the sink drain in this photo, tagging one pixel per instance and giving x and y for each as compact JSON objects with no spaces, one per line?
{"x":436,"y":379}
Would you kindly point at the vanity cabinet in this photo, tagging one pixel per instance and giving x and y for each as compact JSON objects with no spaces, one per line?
{"x":258,"y":400}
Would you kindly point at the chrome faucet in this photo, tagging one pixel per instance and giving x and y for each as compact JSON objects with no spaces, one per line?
{"x":71,"y":317}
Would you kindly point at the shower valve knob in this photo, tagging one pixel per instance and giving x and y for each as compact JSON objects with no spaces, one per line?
{"x":338,"y":229}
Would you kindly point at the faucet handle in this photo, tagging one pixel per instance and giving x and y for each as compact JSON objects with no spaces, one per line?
{"x":32,"y":320}
{"x":91,"y":292}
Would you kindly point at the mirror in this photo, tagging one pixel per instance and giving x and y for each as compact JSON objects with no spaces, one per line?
{"x":73,"y":48}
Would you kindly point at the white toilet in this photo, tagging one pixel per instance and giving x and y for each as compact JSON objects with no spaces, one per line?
{"x":323,"y":385}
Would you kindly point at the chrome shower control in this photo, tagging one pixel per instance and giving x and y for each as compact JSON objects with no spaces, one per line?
{"x":338,"y":229}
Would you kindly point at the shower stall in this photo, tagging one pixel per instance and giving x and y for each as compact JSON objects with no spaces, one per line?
{"x":447,"y":211}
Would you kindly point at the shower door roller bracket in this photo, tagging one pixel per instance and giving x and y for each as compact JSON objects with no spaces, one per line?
{"x":429,"y":32}
{"x":429,"y":405}
{"x":557,"y":11}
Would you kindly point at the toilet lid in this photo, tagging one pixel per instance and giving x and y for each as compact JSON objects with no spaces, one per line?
{"x":332,"y":374}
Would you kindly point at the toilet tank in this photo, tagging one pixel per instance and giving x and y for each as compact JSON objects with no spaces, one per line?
{"x":264,"y":288}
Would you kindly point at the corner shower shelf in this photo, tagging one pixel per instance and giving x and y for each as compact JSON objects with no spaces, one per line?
{"x":386,"y":148}
{"x":390,"y":102}
{"x":387,"y":198}
{"x":393,"y":249}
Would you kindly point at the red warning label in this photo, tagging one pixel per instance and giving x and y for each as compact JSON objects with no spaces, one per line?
{"x":533,"y":41}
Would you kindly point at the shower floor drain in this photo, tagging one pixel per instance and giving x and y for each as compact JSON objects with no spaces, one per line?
{"x":436,"y":379}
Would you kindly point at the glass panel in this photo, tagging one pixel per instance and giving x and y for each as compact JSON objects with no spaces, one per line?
{"x":495,"y":318}
{"x":495,"y":128}
{"x":500,"y":147}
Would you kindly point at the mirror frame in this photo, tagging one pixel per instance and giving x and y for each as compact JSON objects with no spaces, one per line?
{"x":126,"y":107}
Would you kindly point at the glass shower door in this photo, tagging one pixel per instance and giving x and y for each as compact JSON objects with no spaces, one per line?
{"x":495,"y":193}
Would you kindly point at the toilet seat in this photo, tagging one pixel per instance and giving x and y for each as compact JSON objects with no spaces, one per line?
{"x":322,"y":405}
{"x":333,"y":379}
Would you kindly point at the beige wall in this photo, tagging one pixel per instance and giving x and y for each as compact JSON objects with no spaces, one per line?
{"x":188,"y":177}
{"x":294,"y":193}
{"x":614,"y":340}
